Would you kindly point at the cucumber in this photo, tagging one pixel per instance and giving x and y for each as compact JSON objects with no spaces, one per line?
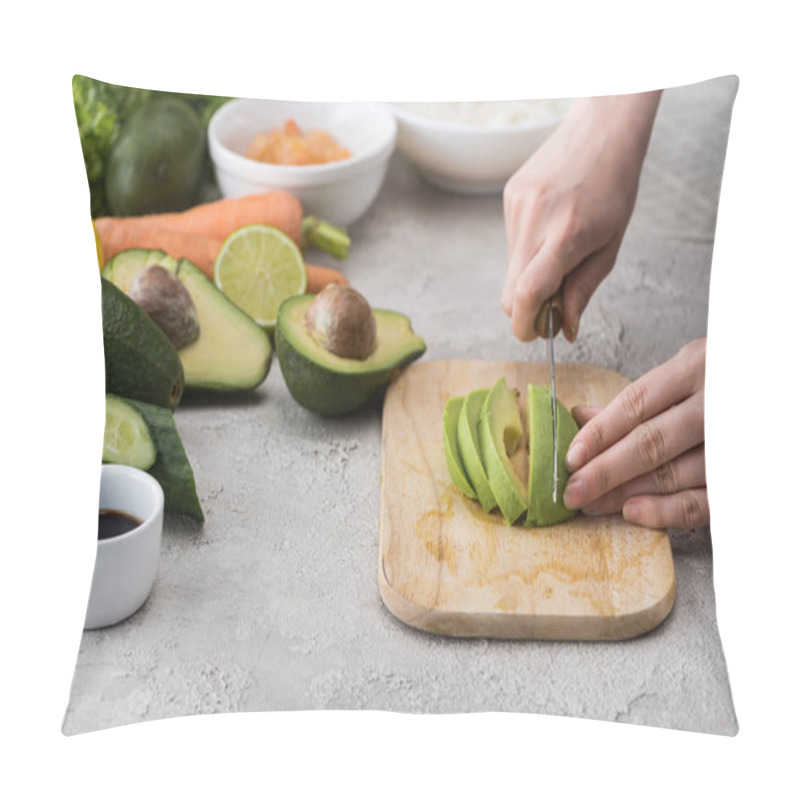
{"x":171,"y":467}
{"x":127,"y":439}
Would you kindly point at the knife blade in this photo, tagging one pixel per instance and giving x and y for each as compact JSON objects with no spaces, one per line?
{"x":553,"y":309}
{"x":553,"y":399}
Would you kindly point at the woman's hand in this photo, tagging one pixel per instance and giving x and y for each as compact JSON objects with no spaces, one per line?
{"x":566,"y":209}
{"x":644,"y":453}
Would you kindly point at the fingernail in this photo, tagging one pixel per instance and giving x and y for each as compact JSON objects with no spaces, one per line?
{"x":576,"y":456}
{"x":632,"y":511}
{"x":574,"y":494}
{"x":572,"y":332}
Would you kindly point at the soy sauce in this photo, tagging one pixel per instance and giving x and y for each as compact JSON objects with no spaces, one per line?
{"x":115,"y":523}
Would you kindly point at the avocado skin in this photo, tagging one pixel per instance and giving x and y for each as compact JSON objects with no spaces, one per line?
{"x":325,"y":391}
{"x":322,"y":388}
{"x":140,"y":361}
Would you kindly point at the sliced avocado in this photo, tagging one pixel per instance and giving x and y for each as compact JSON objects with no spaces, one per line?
{"x":140,"y":361}
{"x":541,"y":508}
{"x":329,"y":384}
{"x":469,"y":447}
{"x":499,"y":436}
{"x":455,"y":466}
{"x":232,"y":352}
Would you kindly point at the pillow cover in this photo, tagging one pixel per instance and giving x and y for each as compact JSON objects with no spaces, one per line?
{"x":267,"y":594}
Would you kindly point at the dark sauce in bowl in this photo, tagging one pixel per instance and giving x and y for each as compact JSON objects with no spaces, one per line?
{"x":114,"y":523}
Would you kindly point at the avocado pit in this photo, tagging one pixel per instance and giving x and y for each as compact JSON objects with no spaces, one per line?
{"x":327,"y":384}
{"x":168,"y":303}
{"x":342,"y":321}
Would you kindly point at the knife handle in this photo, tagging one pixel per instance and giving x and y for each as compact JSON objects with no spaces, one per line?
{"x":540,"y":325}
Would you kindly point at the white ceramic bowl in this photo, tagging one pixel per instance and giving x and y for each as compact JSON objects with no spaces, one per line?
{"x":339,"y":192}
{"x":474,"y":148}
{"x":125,"y":565}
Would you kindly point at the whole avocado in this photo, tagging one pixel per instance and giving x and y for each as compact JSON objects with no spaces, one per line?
{"x":157,"y":163}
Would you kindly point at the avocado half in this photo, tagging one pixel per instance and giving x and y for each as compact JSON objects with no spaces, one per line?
{"x":232,"y":352}
{"x":331,"y":385}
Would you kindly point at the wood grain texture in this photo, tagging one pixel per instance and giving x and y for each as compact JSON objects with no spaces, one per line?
{"x":447,"y":567}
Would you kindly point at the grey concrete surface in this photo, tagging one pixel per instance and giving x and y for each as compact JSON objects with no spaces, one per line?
{"x":273,"y":604}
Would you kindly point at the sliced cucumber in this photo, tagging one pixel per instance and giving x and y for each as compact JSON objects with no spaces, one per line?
{"x":171,"y":467}
{"x":127,"y":439}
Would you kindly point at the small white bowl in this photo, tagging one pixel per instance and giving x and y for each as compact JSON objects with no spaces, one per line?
{"x":125,"y":565}
{"x":474,"y":148}
{"x":339,"y":192}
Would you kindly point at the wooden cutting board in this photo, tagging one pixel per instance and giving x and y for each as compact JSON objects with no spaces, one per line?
{"x":447,"y":567}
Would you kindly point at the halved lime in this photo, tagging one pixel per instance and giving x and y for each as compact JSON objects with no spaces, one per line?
{"x":257,"y":268}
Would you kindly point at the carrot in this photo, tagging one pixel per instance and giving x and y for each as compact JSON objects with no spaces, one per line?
{"x":117,"y":234}
{"x":123,"y":233}
{"x":219,"y":218}
{"x":317,"y":278}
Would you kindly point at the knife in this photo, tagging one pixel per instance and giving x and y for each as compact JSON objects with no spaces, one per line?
{"x":548,"y":323}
